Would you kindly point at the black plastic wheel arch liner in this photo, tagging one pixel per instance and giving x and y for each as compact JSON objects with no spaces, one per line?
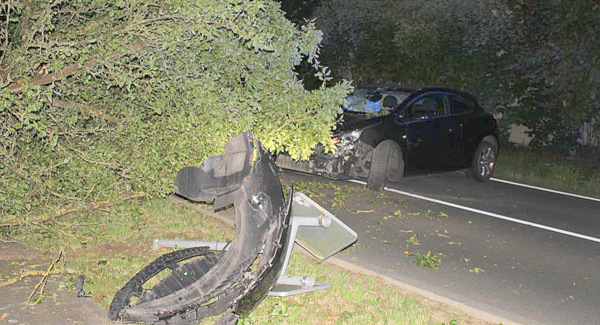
{"x":237,"y":280}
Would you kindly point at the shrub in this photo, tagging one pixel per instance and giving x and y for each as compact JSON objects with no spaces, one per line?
{"x":103,"y":97}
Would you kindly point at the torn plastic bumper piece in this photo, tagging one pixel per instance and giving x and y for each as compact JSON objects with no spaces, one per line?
{"x":204,"y":283}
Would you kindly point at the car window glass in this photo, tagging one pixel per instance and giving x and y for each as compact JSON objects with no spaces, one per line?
{"x":460,"y":105}
{"x":427,"y":107}
{"x":374,"y":101}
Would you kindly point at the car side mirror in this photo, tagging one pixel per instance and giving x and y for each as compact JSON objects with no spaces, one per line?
{"x":400,"y":117}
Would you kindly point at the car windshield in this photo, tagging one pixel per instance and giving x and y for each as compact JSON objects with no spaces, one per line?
{"x":374,"y":101}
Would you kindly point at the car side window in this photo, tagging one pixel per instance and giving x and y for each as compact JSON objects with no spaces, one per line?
{"x":427,"y":107}
{"x":461,"y":106}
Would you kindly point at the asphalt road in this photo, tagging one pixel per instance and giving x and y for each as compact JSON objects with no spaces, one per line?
{"x":527,"y":255}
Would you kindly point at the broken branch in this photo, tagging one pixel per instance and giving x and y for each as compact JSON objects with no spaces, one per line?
{"x":42,"y":218}
{"x":42,"y":284}
{"x":17,"y":86}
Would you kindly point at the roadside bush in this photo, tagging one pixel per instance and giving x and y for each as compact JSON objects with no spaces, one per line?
{"x":100,"y":98}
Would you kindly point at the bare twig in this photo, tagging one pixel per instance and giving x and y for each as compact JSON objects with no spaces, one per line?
{"x":42,"y":283}
{"x":359,"y":211}
{"x":35,"y":182}
{"x":83,"y":157}
{"x":26,"y":274}
{"x":44,"y":218}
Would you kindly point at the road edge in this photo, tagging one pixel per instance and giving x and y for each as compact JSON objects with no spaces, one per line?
{"x":226,"y":217}
{"x":462,"y":307}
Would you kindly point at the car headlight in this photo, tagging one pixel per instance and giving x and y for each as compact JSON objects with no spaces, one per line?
{"x":350,"y":136}
{"x":347,"y":137}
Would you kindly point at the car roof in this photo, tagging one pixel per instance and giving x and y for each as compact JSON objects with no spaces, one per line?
{"x":415,"y":88}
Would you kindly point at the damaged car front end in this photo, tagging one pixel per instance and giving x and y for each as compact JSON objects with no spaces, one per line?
{"x":354,"y":138}
{"x":352,"y":154}
{"x":336,"y":164}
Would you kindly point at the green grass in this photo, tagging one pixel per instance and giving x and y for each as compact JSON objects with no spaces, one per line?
{"x":352,"y":299}
{"x":110,"y":246}
{"x":546,"y":169}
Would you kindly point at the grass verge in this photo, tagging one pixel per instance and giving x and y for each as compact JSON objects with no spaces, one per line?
{"x":546,"y":169}
{"x":109,"y":246}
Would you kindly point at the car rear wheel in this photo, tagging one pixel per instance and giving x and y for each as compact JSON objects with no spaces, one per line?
{"x":484,"y":160}
{"x":387,"y":163}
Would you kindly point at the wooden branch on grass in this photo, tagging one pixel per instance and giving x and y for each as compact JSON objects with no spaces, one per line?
{"x":42,"y":283}
{"x":43,"y":218}
{"x":28,"y":274}
{"x":17,"y":86}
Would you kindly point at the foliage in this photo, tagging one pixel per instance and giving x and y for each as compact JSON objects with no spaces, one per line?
{"x":138,"y":89}
{"x":535,"y":62}
{"x":556,"y":56}
{"x":549,"y":169}
{"x":429,"y":260}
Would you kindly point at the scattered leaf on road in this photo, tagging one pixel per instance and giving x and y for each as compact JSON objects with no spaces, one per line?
{"x":414,"y":239}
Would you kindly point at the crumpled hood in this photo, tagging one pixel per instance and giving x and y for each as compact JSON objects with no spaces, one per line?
{"x":356,"y":121}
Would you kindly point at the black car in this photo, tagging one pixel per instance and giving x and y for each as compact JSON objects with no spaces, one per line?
{"x":387,"y":131}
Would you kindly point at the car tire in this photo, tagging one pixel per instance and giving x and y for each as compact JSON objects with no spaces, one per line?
{"x":484,"y":160}
{"x":387,"y":163}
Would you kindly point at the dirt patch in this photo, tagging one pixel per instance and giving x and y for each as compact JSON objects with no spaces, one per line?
{"x":58,"y":306}
{"x":107,"y":250}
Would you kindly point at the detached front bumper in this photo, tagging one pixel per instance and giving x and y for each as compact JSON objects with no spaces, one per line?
{"x":198,"y":282}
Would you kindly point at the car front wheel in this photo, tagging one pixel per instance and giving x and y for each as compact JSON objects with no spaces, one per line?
{"x":484,"y":160}
{"x":387,"y":163}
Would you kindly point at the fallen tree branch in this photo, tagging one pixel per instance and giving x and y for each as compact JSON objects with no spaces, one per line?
{"x":43,"y":218}
{"x":17,"y":86}
{"x":42,"y":283}
{"x":27,"y":274}
{"x":81,"y":155}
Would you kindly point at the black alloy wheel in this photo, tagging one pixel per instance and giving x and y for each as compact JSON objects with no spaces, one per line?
{"x":484,"y":160}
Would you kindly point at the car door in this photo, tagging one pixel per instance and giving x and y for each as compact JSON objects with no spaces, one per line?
{"x":426,"y":128}
{"x":463,"y":110}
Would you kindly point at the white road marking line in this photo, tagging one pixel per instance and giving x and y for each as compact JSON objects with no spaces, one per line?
{"x":545,"y":189}
{"x":489,"y":214}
